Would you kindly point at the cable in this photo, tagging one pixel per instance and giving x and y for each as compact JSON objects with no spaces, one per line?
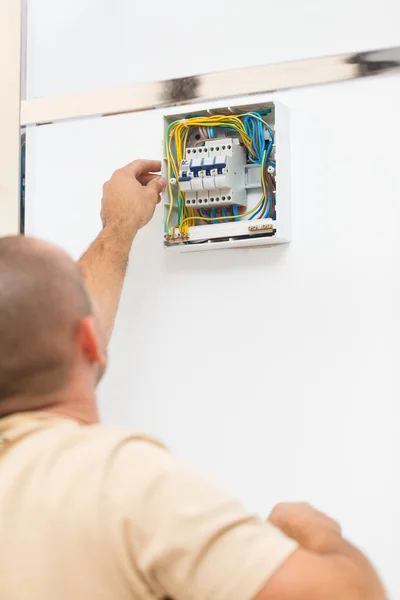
{"x":250,"y":128}
{"x":265,"y":191}
{"x":218,"y":218}
{"x":208,"y":139}
{"x":271,"y":185}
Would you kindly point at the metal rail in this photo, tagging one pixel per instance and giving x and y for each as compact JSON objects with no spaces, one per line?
{"x":210,"y":86}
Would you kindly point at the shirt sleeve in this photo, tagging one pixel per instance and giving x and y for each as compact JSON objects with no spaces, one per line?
{"x":188,"y":539}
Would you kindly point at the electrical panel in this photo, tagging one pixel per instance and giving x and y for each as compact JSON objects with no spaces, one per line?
{"x":228,"y":179}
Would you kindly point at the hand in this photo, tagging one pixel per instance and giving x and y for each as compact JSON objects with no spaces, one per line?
{"x":131,"y":195}
{"x":303,"y":523}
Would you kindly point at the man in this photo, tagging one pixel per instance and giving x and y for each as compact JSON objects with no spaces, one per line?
{"x":91,"y":512}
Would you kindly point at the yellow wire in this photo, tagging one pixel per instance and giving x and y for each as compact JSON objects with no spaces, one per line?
{"x":246,"y":214}
{"x":187,"y":211}
{"x":171,"y":163}
{"x":263,"y":183}
{"x":221,"y":120}
{"x":171,"y":197}
{"x":180,"y":133}
{"x":184,"y":229}
{"x":256,"y":117}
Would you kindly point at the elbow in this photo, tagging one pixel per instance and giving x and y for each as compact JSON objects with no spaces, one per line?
{"x":360,"y":581}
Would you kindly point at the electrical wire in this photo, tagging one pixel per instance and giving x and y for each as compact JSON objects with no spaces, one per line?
{"x":207,"y":139}
{"x":184,"y":225}
{"x":251,"y":129}
{"x":184,"y":230}
{"x":266,"y":195}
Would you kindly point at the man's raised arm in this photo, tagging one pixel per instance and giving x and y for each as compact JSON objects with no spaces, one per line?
{"x":129,"y":201}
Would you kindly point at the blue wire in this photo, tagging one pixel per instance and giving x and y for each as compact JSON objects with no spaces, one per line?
{"x":255,"y":129}
{"x":224,"y":213}
{"x":213,"y":214}
{"x":271,"y":133}
{"x":252,"y":130}
{"x":259,"y":210}
{"x":262,"y":206}
{"x":269,"y":148}
{"x":261,"y":138}
{"x":269,"y":203}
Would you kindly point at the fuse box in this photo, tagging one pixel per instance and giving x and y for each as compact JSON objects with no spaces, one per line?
{"x":228,"y":176}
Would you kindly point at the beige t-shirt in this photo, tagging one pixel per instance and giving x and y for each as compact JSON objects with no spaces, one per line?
{"x":96,"y":513}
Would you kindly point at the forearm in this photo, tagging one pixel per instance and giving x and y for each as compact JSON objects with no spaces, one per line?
{"x":104,"y":267}
{"x":128,"y":203}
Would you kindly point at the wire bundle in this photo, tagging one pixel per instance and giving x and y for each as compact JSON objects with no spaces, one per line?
{"x":251,"y":128}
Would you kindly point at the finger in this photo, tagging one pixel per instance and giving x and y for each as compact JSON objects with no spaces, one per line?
{"x":145,"y":179}
{"x":157,"y":185}
{"x":141,"y":167}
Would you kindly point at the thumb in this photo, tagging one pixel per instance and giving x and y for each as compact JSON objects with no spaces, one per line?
{"x":158,"y":184}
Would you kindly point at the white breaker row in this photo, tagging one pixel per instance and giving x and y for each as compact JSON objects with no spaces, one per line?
{"x":214,"y":174}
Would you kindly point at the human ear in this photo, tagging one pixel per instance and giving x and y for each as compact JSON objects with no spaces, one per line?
{"x":89,"y":341}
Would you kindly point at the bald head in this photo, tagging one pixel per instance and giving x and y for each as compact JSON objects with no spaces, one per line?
{"x":42,"y":300}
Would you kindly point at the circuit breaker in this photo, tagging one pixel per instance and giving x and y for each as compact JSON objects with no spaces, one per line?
{"x":228,"y":179}
{"x":214,"y":175}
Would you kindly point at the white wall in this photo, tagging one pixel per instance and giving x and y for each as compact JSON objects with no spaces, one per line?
{"x":76,"y":45}
{"x":273,"y":368}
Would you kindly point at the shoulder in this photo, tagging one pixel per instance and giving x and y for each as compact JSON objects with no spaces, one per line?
{"x":118,"y":447}
{"x":98,"y":453}
{"x":131,"y":457}
{"x":121,"y":436}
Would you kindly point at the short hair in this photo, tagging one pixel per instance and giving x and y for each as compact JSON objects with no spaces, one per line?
{"x":42,"y":299}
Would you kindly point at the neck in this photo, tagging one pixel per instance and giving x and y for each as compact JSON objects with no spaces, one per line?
{"x":83,"y":412}
{"x":75,"y":401}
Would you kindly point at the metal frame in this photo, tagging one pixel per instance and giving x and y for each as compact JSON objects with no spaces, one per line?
{"x":10,"y":90}
{"x":211,"y":86}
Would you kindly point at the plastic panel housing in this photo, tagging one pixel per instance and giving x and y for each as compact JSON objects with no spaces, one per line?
{"x":240,"y":181}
